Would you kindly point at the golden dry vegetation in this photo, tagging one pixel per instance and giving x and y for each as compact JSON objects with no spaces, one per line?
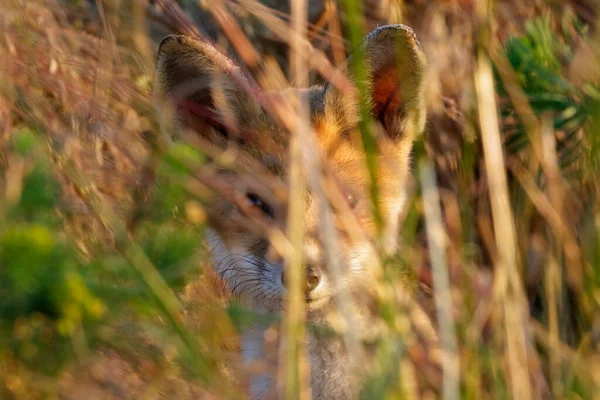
{"x":106,"y":289}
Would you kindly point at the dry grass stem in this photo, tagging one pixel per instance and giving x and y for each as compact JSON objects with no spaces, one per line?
{"x":508,"y":289}
{"x":441,"y":282}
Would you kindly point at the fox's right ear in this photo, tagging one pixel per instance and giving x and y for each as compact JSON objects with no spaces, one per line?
{"x":396,"y":81}
{"x":194,"y":78}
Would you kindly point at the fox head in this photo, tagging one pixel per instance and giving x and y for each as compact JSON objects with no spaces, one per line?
{"x":252,"y":199}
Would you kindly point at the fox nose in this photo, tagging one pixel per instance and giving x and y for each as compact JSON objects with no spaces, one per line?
{"x":313,"y":277}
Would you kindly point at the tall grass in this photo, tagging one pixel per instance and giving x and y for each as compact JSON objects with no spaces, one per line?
{"x":106,"y":285}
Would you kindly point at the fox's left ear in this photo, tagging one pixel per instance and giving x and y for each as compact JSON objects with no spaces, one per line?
{"x":195,"y":78}
{"x":397,"y":67}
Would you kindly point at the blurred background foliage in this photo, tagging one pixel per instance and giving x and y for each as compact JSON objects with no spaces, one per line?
{"x":101,"y":230}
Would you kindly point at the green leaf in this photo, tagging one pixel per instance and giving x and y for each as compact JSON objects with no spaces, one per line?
{"x":24,"y":141}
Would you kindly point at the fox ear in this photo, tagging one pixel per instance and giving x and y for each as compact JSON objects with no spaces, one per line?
{"x":191,"y":75}
{"x":397,"y":67}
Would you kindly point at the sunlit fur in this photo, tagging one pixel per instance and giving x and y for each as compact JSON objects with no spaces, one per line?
{"x":247,"y":262}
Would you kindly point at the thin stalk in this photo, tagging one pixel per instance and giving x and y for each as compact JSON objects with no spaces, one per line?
{"x":508,"y":290}
{"x":294,"y":321}
{"x":441,"y":283}
{"x":296,"y":369}
{"x":360,"y":71}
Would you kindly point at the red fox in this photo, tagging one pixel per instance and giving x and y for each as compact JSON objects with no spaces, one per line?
{"x":210,"y":102}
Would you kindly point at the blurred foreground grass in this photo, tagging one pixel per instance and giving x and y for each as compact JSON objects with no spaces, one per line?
{"x":105,"y":284}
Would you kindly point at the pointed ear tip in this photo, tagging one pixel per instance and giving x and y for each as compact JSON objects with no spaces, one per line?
{"x":396,"y":31}
{"x":393,"y":27}
{"x":169,"y":41}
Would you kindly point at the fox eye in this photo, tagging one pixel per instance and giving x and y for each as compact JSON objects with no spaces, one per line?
{"x":259,"y":203}
{"x":351,"y":199}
